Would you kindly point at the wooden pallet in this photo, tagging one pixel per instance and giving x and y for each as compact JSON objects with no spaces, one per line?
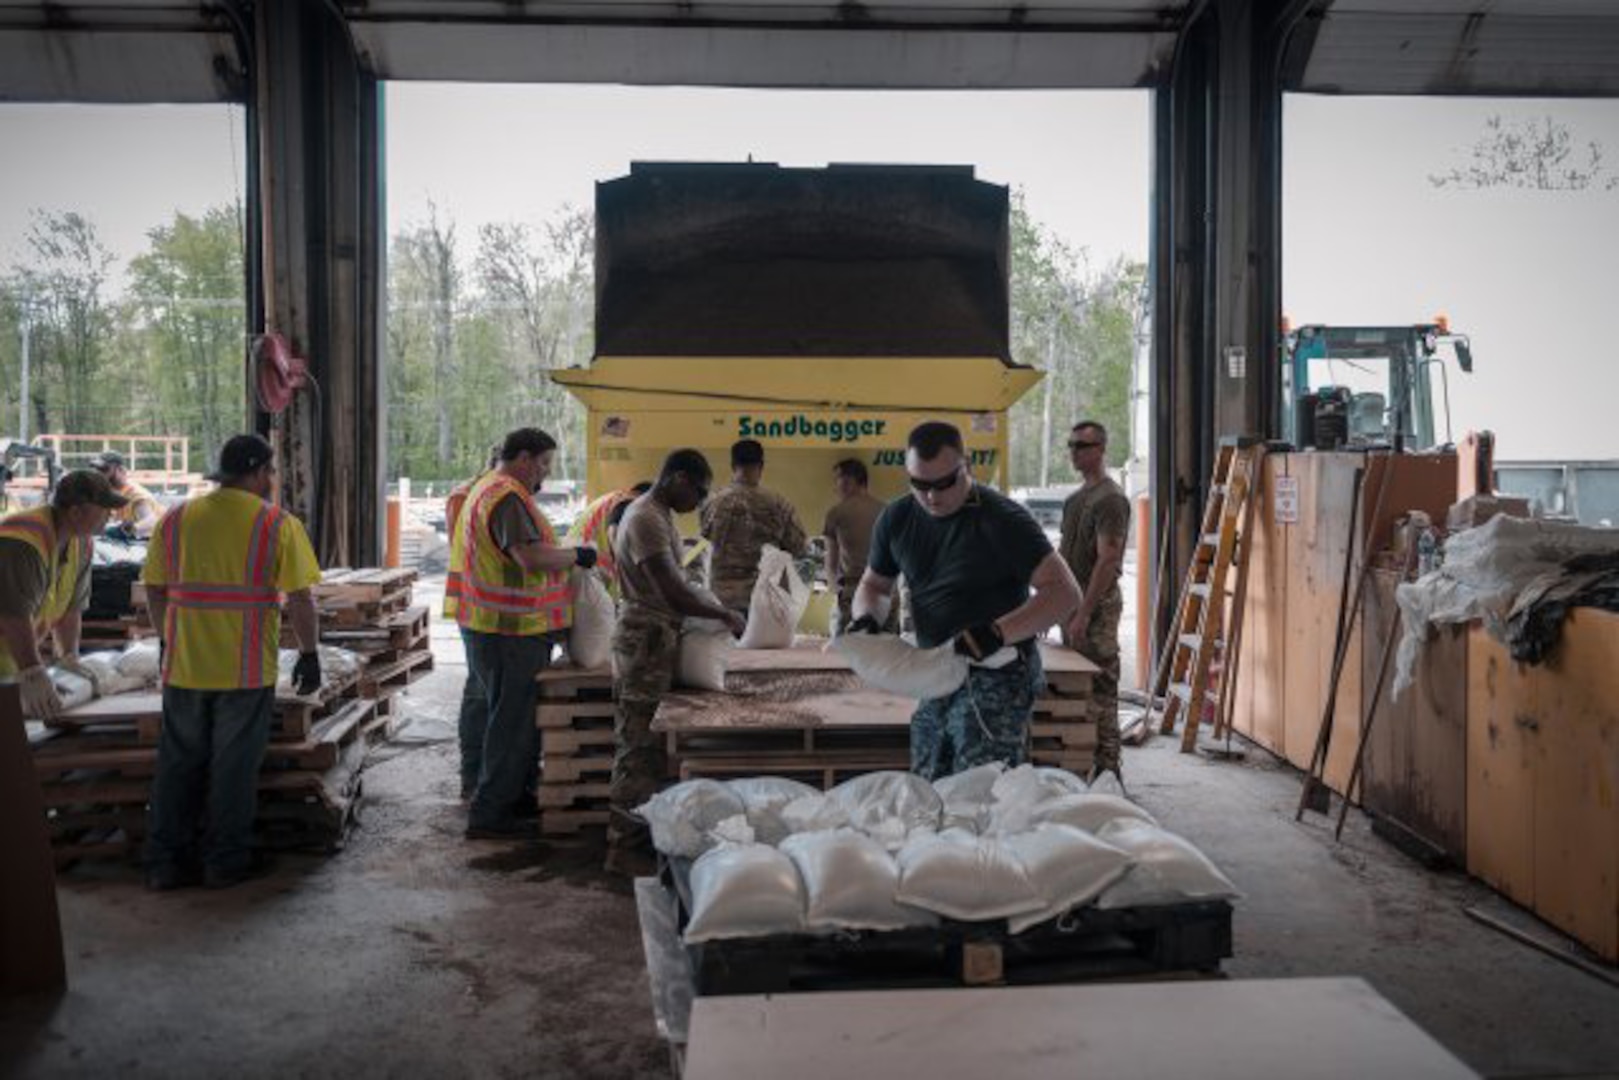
{"x":590,"y":795}
{"x":567,"y":682}
{"x":822,"y":770}
{"x":114,"y":633}
{"x":365,"y":586}
{"x":385,"y":680}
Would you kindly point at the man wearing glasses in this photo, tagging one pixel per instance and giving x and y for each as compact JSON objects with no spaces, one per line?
{"x":971,"y":556}
{"x":646,"y":645}
{"x":1095,"y":526}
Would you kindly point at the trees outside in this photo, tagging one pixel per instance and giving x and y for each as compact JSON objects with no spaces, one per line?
{"x":1541,"y":154}
{"x":473,"y":333}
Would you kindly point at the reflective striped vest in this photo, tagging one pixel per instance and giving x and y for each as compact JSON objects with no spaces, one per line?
{"x":455,"y":515}
{"x":249,"y":595}
{"x":37,"y":529}
{"x":591,"y":528}
{"x":498,"y":596}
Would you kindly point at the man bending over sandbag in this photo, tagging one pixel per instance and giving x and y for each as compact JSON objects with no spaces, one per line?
{"x":971,"y":556}
{"x":646,"y":645}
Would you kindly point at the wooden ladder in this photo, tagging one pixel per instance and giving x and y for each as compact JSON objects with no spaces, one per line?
{"x":1182,"y":679}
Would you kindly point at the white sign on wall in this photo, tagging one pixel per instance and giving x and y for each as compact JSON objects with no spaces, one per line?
{"x":1287,"y":500}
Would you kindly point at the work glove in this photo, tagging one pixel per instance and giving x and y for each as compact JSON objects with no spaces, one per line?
{"x":39,"y":697}
{"x":306,"y":674}
{"x":979,"y":642}
{"x":76,"y":666}
{"x":584,"y":557}
{"x":865,"y":624}
{"x":121,"y":531}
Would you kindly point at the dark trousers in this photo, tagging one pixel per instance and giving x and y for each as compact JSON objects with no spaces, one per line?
{"x":505,"y":666}
{"x":205,"y":795}
{"x":986,"y":720}
{"x":470,"y":725}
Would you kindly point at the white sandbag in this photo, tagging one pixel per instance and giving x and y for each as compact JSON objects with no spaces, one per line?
{"x":744,"y":890}
{"x":963,"y":876}
{"x":109,"y":680}
{"x":140,"y":661}
{"x":849,"y":883}
{"x":765,"y":797}
{"x":1018,"y":791}
{"x":968,"y":796}
{"x":336,"y":666}
{"x":813,"y":813}
{"x":1069,"y":868}
{"x":590,"y":638}
{"x":1168,"y":868}
{"x":891,"y":663}
{"x":682,"y":817}
{"x":74,"y":690}
{"x":733,"y":830}
{"x":1089,"y":812}
{"x":705,"y":654}
{"x":888,"y":806}
{"x":778,"y":602}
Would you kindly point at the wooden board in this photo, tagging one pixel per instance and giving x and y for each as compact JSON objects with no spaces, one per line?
{"x":1259,"y":711}
{"x":1324,"y":1029}
{"x":1416,"y":758}
{"x":1543,"y":777}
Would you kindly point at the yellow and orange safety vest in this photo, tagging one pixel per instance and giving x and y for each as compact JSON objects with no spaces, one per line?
{"x":225,"y":560}
{"x":496,"y":595}
{"x":37,"y":529}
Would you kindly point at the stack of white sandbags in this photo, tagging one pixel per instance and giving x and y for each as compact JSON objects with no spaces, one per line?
{"x":888,"y":850}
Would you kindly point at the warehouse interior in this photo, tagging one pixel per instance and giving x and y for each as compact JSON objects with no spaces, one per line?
{"x":1472,"y":878}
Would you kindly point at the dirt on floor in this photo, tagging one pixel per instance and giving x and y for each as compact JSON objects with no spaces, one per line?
{"x":415,"y":952}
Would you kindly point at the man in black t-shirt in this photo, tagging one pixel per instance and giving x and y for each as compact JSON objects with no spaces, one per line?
{"x":971,"y":555}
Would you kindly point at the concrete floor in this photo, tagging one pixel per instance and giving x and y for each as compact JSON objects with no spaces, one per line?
{"x":414,"y":952}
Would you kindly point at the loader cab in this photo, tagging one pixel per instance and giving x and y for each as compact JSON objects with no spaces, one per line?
{"x":1387,"y":379}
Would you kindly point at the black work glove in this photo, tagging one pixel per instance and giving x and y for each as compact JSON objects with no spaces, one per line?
{"x":584,"y":557}
{"x":977,"y":642}
{"x":306,"y":674}
{"x":865,"y":624}
{"x":121,"y":531}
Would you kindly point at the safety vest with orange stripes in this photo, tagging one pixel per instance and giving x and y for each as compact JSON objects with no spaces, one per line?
{"x":224,"y":561}
{"x":455,"y":506}
{"x":591,"y":528}
{"x":63,"y":565}
{"x":497,"y":595}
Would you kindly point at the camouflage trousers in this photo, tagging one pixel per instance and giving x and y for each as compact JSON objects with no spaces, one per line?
{"x":1101,"y":647}
{"x":646,"y":649}
{"x":986,"y":720}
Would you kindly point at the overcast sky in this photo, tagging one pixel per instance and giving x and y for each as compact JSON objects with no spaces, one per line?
{"x":1368,"y":238}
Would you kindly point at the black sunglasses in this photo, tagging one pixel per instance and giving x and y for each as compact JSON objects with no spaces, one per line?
{"x":1081,"y":444}
{"x":943,"y":483}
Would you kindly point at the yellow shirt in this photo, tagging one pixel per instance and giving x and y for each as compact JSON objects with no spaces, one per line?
{"x":142,"y":505}
{"x":47,"y":585}
{"x":226,"y":559}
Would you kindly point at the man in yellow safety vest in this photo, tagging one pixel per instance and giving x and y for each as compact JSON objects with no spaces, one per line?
{"x":514,"y":605}
{"x":138,"y":517}
{"x":597,"y":522}
{"x":45,"y":583}
{"x":216,"y":571}
{"x":470,"y":723}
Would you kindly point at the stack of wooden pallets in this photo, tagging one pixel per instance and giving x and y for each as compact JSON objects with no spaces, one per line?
{"x":1063,"y":731}
{"x":96,"y":765}
{"x":575,"y":718}
{"x":370,"y":612}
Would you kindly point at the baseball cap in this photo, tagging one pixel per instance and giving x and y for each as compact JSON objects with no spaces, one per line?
{"x":84,"y":486}
{"x":108,"y":459}
{"x":240,"y":455}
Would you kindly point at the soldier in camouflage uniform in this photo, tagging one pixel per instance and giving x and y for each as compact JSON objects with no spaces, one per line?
{"x":971,"y":556}
{"x":646,"y":644}
{"x":1095,"y":527}
{"x":740,"y":520}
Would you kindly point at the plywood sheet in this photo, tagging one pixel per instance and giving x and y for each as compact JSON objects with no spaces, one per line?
{"x":1259,"y":711}
{"x":1500,"y":770}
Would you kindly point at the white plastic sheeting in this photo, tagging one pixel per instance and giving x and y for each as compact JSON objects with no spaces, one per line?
{"x":1484,"y":571}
